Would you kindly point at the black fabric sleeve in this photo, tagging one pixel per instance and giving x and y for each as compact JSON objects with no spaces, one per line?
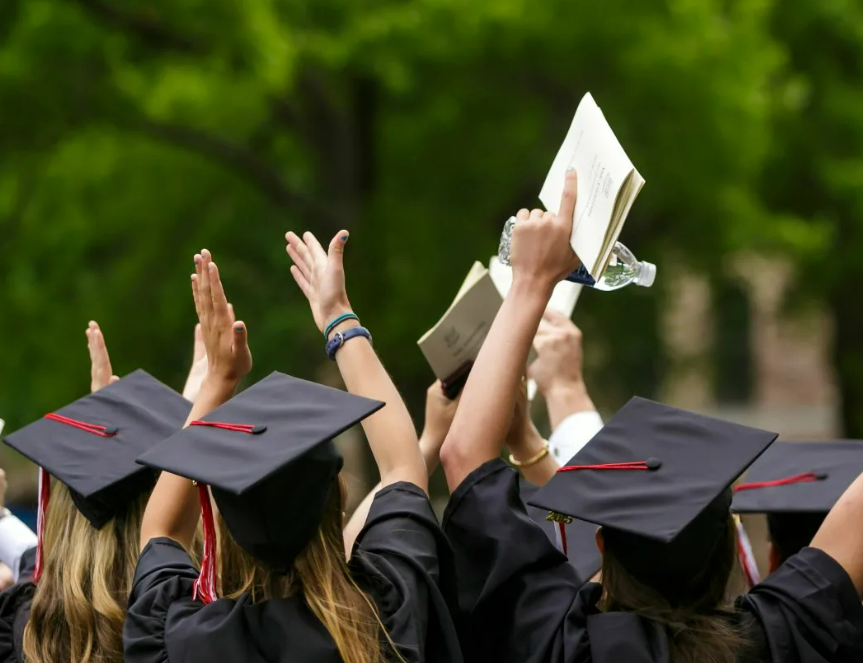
{"x":518,"y":596}
{"x":407,"y":563}
{"x":809,"y":611}
{"x":14,"y":607}
{"x":165,"y":575}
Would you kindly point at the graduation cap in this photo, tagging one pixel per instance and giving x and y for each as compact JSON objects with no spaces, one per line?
{"x":91,"y":445}
{"x":269,"y":460}
{"x":799,"y":477}
{"x":657,"y":479}
{"x":796,"y":484}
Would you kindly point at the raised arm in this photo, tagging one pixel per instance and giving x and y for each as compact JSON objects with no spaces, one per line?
{"x":439,"y":413}
{"x":391,"y":434}
{"x":541,"y":257}
{"x":529,"y":452}
{"x":558,"y":374}
{"x":841,"y":534}
{"x":173,"y":508}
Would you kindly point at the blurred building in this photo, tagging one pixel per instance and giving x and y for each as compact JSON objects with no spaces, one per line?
{"x":735,"y":352}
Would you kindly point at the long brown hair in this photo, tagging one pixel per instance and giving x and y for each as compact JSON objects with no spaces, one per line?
{"x":79,"y":606}
{"x":321,"y":574}
{"x":701,"y":629}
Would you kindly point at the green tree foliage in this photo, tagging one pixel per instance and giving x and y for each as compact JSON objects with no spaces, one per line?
{"x":134,"y":133}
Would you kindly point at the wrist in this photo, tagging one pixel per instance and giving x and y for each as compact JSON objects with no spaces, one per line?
{"x":215,"y":387}
{"x":342,"y":326}
{"x":335,"y":311}
{"x":532,"y":286}
{"x":527,"y":447}
{"x":565,"y":398}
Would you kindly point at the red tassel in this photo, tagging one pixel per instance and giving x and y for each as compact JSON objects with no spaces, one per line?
{"x":805,"y":477}
{"x":251,"y":429}
{"x":96,"y":429}
{"x":205,"y":585}
{"x":44,"y":498}
{"x":649,"y":464}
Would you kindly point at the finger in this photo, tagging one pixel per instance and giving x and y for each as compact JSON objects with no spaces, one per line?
{"x":220,"y":303}
{"x":196,"y":295}
{"x":114,"y":378}
{"x":206,"y":297}
{"x":536,"y":214}
{"x":301,"y":254}
{"x":523,"y":215}
{"x":567,"y":200}
{"x":301,"y":280}
{"x":299,"y":261}
{"x":231,"y":312}
{"x":314,"y":245}
{"x":336,"y":251}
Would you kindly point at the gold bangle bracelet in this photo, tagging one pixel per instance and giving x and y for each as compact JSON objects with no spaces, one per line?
{"x":533,"y":460}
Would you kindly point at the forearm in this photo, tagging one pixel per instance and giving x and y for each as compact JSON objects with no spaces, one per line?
{"x":390,"y":432}
{"x":485,"y":411}
{"x":841,"y":534}
{"x":565,"y":399}
{"x":173,"y":509}
{"x":430,"y":449}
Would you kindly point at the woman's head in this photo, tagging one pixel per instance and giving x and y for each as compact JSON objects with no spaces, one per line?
{"x":80,"y":602}
{"x":691,"y":607}
{"x":319,"y":573}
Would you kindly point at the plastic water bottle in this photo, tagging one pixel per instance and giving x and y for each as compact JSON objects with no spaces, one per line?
{"x":623,"y":269}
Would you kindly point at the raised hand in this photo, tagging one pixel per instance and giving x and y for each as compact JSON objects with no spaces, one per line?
{"x":101,"y":374}
{"x":225,"y":341}
{"x":541,"y":253}
{"x":320,"y":274}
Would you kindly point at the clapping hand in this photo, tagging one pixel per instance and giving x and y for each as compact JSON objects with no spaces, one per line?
{"x":320,"y":274}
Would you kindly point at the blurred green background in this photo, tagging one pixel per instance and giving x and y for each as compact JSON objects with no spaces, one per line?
{"x":135,"y":132}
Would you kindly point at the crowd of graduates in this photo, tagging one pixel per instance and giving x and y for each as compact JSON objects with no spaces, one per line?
{"x":210,"y":526}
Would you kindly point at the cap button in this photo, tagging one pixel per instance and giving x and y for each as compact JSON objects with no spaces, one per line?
{"x":111,"y":430}
{"x":820,"y":476}
{"x":653,"y":463}
{"x":257,"y":430}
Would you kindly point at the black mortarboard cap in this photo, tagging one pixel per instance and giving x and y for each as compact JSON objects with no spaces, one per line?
{"x":671,"y":465}
{"x":91,"y":445}
{"x":799,"y":477}
{"x":657,"y":480}
{"x":269,"y":459}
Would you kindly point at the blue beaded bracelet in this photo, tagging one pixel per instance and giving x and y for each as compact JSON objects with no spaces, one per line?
{"x":340,"y":319}
{"x":341,"y":338}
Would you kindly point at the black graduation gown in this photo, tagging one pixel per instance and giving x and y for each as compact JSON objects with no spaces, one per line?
{"x":401,"y":559}
{"x":15,"y":610}
{"x":520,"y":602}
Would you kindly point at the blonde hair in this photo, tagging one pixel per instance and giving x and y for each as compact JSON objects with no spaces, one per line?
{"x":321,"y":574}
{"x":79,"y":606}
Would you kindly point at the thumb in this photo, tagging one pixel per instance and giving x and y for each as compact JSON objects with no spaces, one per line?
{"x":241,"y":337}
{"x":114,"y":378}
{"x":337,"y":246}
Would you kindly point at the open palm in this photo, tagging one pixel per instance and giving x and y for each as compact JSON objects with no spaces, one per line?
{"x":320,"y":274}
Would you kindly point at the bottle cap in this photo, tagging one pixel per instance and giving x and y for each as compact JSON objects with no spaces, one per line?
{"x":647,"y":276}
